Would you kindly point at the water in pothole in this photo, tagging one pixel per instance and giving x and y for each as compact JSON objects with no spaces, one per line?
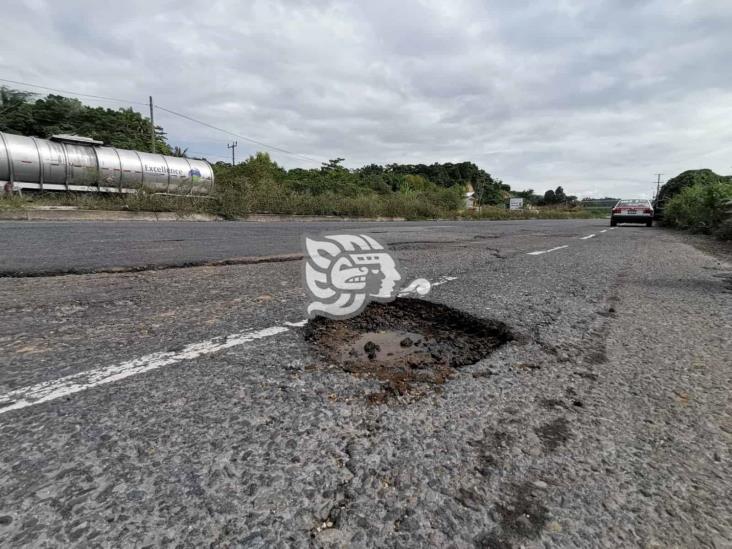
{"x":406,"y":342}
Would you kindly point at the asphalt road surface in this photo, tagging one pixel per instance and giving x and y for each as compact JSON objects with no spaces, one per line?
{"x":184,"y":408}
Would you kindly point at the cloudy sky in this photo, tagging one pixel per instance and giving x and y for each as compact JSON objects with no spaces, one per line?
{"x":594,"y":95}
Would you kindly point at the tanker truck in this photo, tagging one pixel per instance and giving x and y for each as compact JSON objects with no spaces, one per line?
{"x":74,"y":163}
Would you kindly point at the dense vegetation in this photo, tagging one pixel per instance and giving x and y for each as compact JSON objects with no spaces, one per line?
{"x":687,"y":179}
{"x":24,"y":114}
{"x":696,"y":200}
{"x":261,"y":185}
{"x":556,"y":197}
{"x":702,"y":207}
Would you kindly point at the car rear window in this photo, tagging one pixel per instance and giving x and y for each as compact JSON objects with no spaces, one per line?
{"x":633,"y":203}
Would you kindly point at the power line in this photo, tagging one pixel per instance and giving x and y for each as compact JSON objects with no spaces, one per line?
{"x":234,"y":134}
{"x":101,"y":97}
{"x":170,"y":111}
{"x":207,"y":155}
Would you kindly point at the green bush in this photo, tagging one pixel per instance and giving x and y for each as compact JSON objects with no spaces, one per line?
{"x":488,"y":212}
{"x":700,"y":207}
{"x":686,"y":179}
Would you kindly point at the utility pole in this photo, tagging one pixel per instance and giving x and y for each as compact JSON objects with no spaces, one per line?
{"x":658,"y":185}
{"x":232,"y":147}
{"x":152,"y":125}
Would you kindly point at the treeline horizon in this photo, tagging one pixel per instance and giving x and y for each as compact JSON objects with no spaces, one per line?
{"x":27,"y":113}
{"x":447,"y":179}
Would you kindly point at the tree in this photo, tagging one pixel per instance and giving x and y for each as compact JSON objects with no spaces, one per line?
{"x":686,"y":179}
{"x":528,"y":196}
{"x":15,"y":114}
{"x":689,"y":178}
{"x":332,"y":165}
{"x":550,"y":197}
{"x":559,"y":196}
{"x":21,"y":113}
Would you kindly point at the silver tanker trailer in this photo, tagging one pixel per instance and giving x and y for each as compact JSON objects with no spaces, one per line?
{"x":72,"y":163}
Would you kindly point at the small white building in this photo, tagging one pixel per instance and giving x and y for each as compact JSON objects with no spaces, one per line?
{"x":470,"y":198}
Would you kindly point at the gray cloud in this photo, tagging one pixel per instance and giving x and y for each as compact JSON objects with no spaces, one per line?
{"x":595,"y":96}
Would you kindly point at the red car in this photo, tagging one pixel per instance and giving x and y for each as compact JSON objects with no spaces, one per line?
{"x":632,"y":211}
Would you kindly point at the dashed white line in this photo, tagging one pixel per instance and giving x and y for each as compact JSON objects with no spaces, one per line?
{"x":297,"y":324}
{"x":443,"y":280}
{"x":603,"y":231}
{"x":547,"y":251}
{"x":588,"y":236}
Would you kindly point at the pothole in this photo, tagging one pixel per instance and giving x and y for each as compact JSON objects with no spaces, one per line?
{"x":408,"y":344}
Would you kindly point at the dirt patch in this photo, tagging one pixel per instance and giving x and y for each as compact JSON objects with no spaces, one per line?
{"x":491,"y":540}
{"x":721,"y":249}
{"x":596,"y":357}
{"x":554,"y":433}
{"x":522,"y":518}
{"x":405,"y":343}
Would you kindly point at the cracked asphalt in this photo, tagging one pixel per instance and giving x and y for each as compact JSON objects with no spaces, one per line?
{"x":605,"y":422}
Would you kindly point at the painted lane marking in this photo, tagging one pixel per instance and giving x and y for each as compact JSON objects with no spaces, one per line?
{"x":411,"y":289}
{"x":76,"y":383}
{"x":444,"y":280}
{"x":613,"y":228}
{"x":59,"y":388}
{"x":547,"y":251}
{"x":603,"y":231}
{"x":588,"y":236}
{"x":298,"y":324}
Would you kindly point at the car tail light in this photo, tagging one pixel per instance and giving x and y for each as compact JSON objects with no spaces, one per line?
{"x":616,"y":210}
{"x":647,"y":211}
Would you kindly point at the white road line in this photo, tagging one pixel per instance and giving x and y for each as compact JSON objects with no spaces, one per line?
{"x":603,"y":231}
{"x":75,"y":383}
{"x":613,"y":228}
{"x":547,"y":251}
{"x":588,"y":236}
{"x":422,"y":287}
{"x":443,"y":280}
{"x":59,"y":388}
{"x":297,"y":324}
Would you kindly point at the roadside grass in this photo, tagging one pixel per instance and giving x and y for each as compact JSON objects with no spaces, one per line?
{"x":237,"y":202}
{"x":12,"y":202}
{"x":598,"y":211}
{"x":497,"y":213}
{"x":141,"y":201}
{"x":234,"y":202}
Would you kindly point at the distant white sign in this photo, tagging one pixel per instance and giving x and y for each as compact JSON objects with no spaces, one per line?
{"x":516,"y":203}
